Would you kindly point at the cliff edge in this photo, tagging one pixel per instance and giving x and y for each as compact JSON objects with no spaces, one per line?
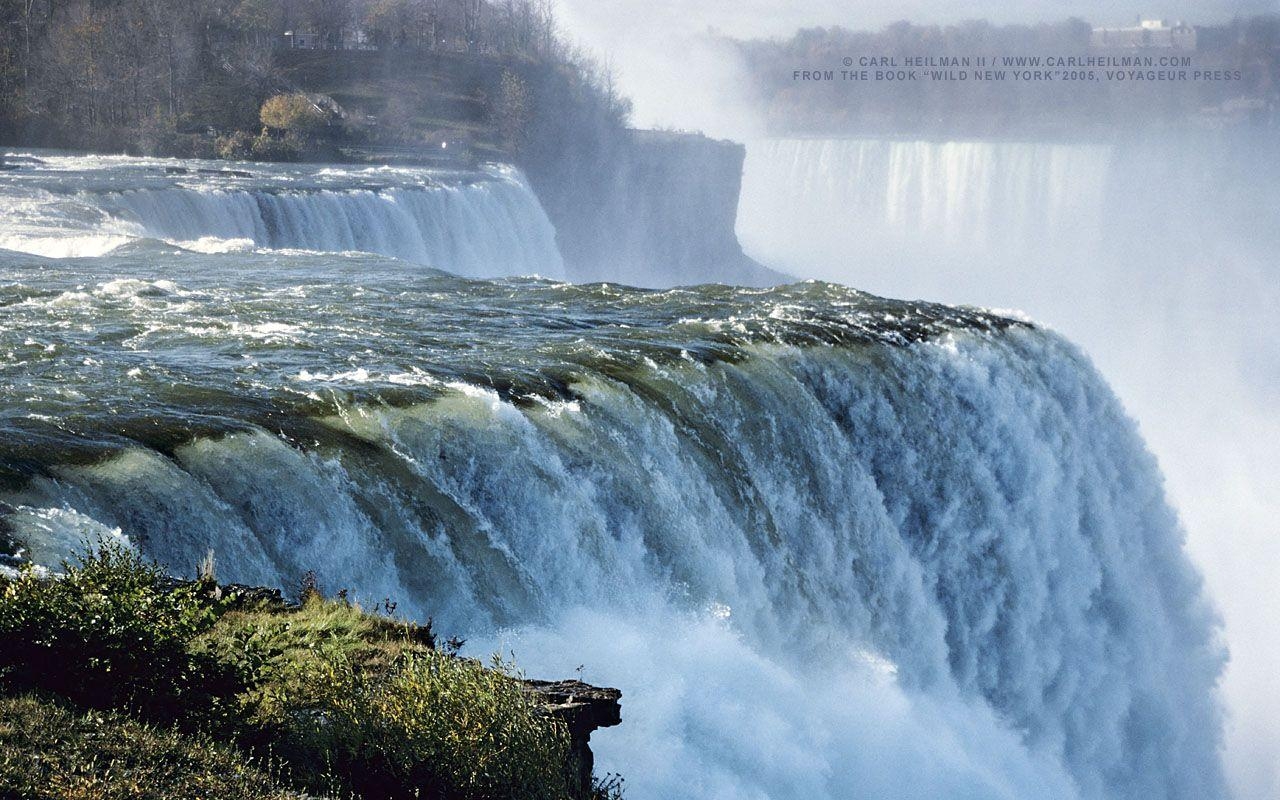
{"x":649,"y":208}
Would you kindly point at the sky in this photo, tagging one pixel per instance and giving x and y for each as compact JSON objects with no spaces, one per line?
{"x":678,"y":79}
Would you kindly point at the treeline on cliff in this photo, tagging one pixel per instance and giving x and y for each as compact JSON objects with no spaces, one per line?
{"x":168,"y":76}
{"x":1249,"y":47}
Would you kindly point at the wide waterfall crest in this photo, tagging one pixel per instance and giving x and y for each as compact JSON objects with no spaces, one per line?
{"x":961,"y":540}
{"x":480,"y":230}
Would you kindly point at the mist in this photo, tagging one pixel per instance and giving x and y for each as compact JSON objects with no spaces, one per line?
{"x":1164,"y":281}
{"x":678,"y":76}
{"x":1168,"y":282}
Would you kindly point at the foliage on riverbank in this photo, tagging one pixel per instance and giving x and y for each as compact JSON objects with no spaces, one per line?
{"x":192,"y":79}
{"x":50,"y":751}
{"x":113,"y":677}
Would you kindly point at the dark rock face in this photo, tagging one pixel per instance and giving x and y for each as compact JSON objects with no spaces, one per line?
{"x":649,"y":208}
{"x":583,"y":708}
{"x":10,"y":551}
{"x":236,"y":595}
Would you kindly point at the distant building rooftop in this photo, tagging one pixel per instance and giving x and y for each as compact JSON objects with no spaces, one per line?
{"x":347,"y":38}
{"x":1153,"y":33}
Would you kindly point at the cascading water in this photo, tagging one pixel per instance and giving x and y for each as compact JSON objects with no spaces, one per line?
{"x":1154,"y":253}
{"x":818,"y":205}
{"x":955,"y":192}
{"x":481,"y":224}
{"x":830,"y":546}
{"x":1014,"y":224}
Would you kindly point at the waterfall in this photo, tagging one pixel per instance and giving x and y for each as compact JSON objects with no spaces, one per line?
{"x":482,"y":224}
{"x":829,"y":545}
{"x":478,"y":230}
{"x":809,"y":201}
{"x":886,"y":570}
{"x":1155,"y":253}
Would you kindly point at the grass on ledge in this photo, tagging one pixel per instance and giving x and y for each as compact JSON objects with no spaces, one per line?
{"x":48,"y":752}
{"x":111,"y":682}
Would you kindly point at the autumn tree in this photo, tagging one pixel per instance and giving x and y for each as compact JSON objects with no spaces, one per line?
{"x":292,"y":112}
{"x":512,"y":110}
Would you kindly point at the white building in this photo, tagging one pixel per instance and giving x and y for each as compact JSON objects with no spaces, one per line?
{"x":1154,"y":33}
{"x":346,"y":39}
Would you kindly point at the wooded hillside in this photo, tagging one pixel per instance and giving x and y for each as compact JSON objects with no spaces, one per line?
{"x":166,"y":76}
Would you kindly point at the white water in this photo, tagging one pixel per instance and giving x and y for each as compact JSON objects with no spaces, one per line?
{"x":944,"y":569}
{"x":937,"y":570}
{"x":486,"y":224}
{"x":875,"y":209}
{"x":1158,"y":257}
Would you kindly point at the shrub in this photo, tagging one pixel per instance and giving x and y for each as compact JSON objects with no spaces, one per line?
{"x":469,"y":731}
{"x":511,"y":112}
{"x":267,"y":646}
{"x":106,"y":634}
{"x":266,"y":146}
{"x":433,"y":726}
{"x":332,"y":688}
{"x":340,"y":696}
{"x":237,"y":146}
{"x":289,"y":147}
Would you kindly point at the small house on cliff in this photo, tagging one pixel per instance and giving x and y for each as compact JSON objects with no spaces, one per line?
{"x":1148,"y":33}
{"x":346,"y":38}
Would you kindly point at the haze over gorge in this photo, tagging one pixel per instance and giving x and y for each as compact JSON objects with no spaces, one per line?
{"x":1165,"y":275}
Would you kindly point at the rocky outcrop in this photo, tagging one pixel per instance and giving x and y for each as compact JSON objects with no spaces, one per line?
{"x":649,"y":208}
{"x":233,"y":595}
{"x":583,"y":708}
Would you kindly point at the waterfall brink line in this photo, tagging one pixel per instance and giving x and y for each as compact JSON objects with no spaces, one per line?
{"x":476,"y":225}
{"x":809,"y":559}
{"x":474,"y":231}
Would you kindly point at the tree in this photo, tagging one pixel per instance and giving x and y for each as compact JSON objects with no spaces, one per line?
{"x":512,"y":110}
{"x":258,"y":19}
{"x":472,"y":19}
{"x":388,"y":21}
{"x":292,"y":112}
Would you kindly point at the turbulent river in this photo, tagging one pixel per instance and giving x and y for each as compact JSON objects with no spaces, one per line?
{"x":829,"y":545}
